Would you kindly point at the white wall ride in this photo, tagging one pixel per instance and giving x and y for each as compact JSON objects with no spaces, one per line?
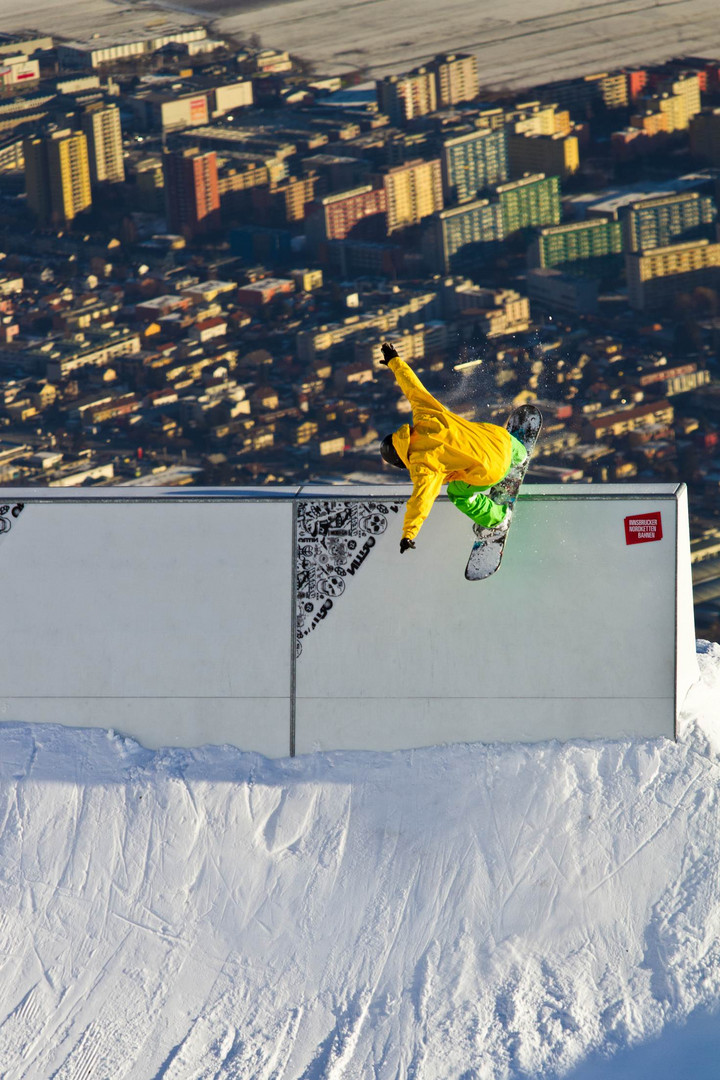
{"x":287,"y":621}
{"x":167,"y":620}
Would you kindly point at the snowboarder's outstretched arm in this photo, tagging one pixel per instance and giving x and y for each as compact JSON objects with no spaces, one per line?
{"x":426,"y":488}
{"x":407,"y":380}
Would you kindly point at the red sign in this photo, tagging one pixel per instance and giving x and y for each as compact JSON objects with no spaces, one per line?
{"x":643,"y":529}
{"x":198,"y":110}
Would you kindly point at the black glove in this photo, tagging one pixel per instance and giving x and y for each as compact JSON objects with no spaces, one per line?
{"x":388,"y":353}
{"x":405,"y":544}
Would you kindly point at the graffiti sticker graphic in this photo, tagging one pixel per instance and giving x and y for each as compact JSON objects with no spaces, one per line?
{"x":8,"y":514}
{"x":333,"y":541}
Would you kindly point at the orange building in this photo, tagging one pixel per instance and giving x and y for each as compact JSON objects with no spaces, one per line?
{"x":192,"y":198}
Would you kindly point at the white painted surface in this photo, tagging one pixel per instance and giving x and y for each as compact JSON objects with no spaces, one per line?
{"x":171,"y":622}
{"x":168,"y":615}
{"x":575,"y":637}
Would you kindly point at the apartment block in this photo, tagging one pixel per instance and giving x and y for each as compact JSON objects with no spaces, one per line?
{"x":614,"y":90}
{"x":359,"y":211}
{"x":283,"y":203}
{"x":554,"y":290}
{"x":581,"y":94}
{"x":637,"y":78}
{"x":668,"y":219}
{"x":705,"y":136}
{"x":456,"y":78}
{"x":537,"y":118}
{"x":101,"y":125}
{"x":625,"y":421}
{"x":497,"y":311}
{"x":678,"y":99}
{"x":533,"y":200}
{"x":58,"y":358}
{"x":651,"y":121}
{"x":557,"y":155}
{"x":317,"y":343}
{"x":462,"y":236}
{"x":413,"y":191}
{"x":57,"y":176}
{"x":405,"y":97}
{"x":656,"y":277}
{"x":416,"y":342}
{"x":192,"y":199}
{"x":472,"y":162}
{"x":577,"y":241}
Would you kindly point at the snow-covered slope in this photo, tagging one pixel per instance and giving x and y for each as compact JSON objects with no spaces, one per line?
{"x":459,"y":912}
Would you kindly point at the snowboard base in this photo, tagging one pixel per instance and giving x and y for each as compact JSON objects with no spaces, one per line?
{"x":487,"y":551}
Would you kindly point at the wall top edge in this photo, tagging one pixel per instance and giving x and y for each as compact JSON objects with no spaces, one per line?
{"x":363,"y":492}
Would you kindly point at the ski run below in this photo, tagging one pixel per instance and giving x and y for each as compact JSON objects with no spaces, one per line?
{"x":471,"y":912}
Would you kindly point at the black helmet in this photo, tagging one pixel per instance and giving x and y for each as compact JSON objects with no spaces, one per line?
{"x":389,"y":454}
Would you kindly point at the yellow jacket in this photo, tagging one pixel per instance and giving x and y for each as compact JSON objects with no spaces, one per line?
{"x":441,"y":446}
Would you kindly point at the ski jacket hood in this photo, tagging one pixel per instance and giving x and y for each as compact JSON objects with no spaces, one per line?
{"x":441,"y":446}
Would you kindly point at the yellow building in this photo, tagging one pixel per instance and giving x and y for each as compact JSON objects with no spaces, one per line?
{"x":413,"y":191}
{"x":532,"y":118}
{"x":651,"y":122}
{"x":657,"y":276}
{"x":687,"y":87}
{"x":57,"y":176}
{"x":678,"y":99}
{"x":404,"y":97}
{"x":456,"y":78}
{"x":554,"y":155}
{"x":101,"y":125}
{"x":614,"y":90}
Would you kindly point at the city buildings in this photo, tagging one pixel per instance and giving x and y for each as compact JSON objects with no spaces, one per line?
{"x":18,"y":70}
{"x":192,"y":199}
{"x":472,"y":162}
{"x":533,"y":200}
{"x":101,"y":125}
{"x":705,"y":135}
{"x":101,"y":50}
{"x":413,"y":191}
{"x":463,"y":236}
{"x":360,"y":211}
{"x":576,"y":241}
{"x":556,"y":154}
{"x":550,"y":289}
{"x":456,"y":78}
{"x":405,"y":97}
{"x":668,"y":219}
{"x":57,"y":176}
{"x":656,"y":277}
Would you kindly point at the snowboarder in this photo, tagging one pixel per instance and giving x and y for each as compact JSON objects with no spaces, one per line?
{"x":442,"y":448}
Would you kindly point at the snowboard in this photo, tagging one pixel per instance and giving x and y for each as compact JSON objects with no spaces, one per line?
{"x":487,"y":552}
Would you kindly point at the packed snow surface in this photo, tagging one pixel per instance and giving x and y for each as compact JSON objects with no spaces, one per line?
{"x":457,"y":913}
{"x":517,"y":43}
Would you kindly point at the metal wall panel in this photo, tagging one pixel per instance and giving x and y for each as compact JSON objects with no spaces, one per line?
{"x":574,"y":637}
{"x":168,"y":620}
{"x":286,"y":620}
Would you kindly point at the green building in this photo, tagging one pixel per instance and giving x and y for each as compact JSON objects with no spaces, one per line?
{"x":462,"y":236}
{"x":472,"y":162}
{"x":669,"y":219}
{"x":577,"y":241}
{"x":534,"y":200}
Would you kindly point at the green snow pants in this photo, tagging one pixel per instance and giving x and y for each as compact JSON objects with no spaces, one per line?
{"x":473,"y":501}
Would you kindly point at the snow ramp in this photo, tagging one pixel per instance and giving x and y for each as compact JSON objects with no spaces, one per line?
{"x":284,"y":620}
